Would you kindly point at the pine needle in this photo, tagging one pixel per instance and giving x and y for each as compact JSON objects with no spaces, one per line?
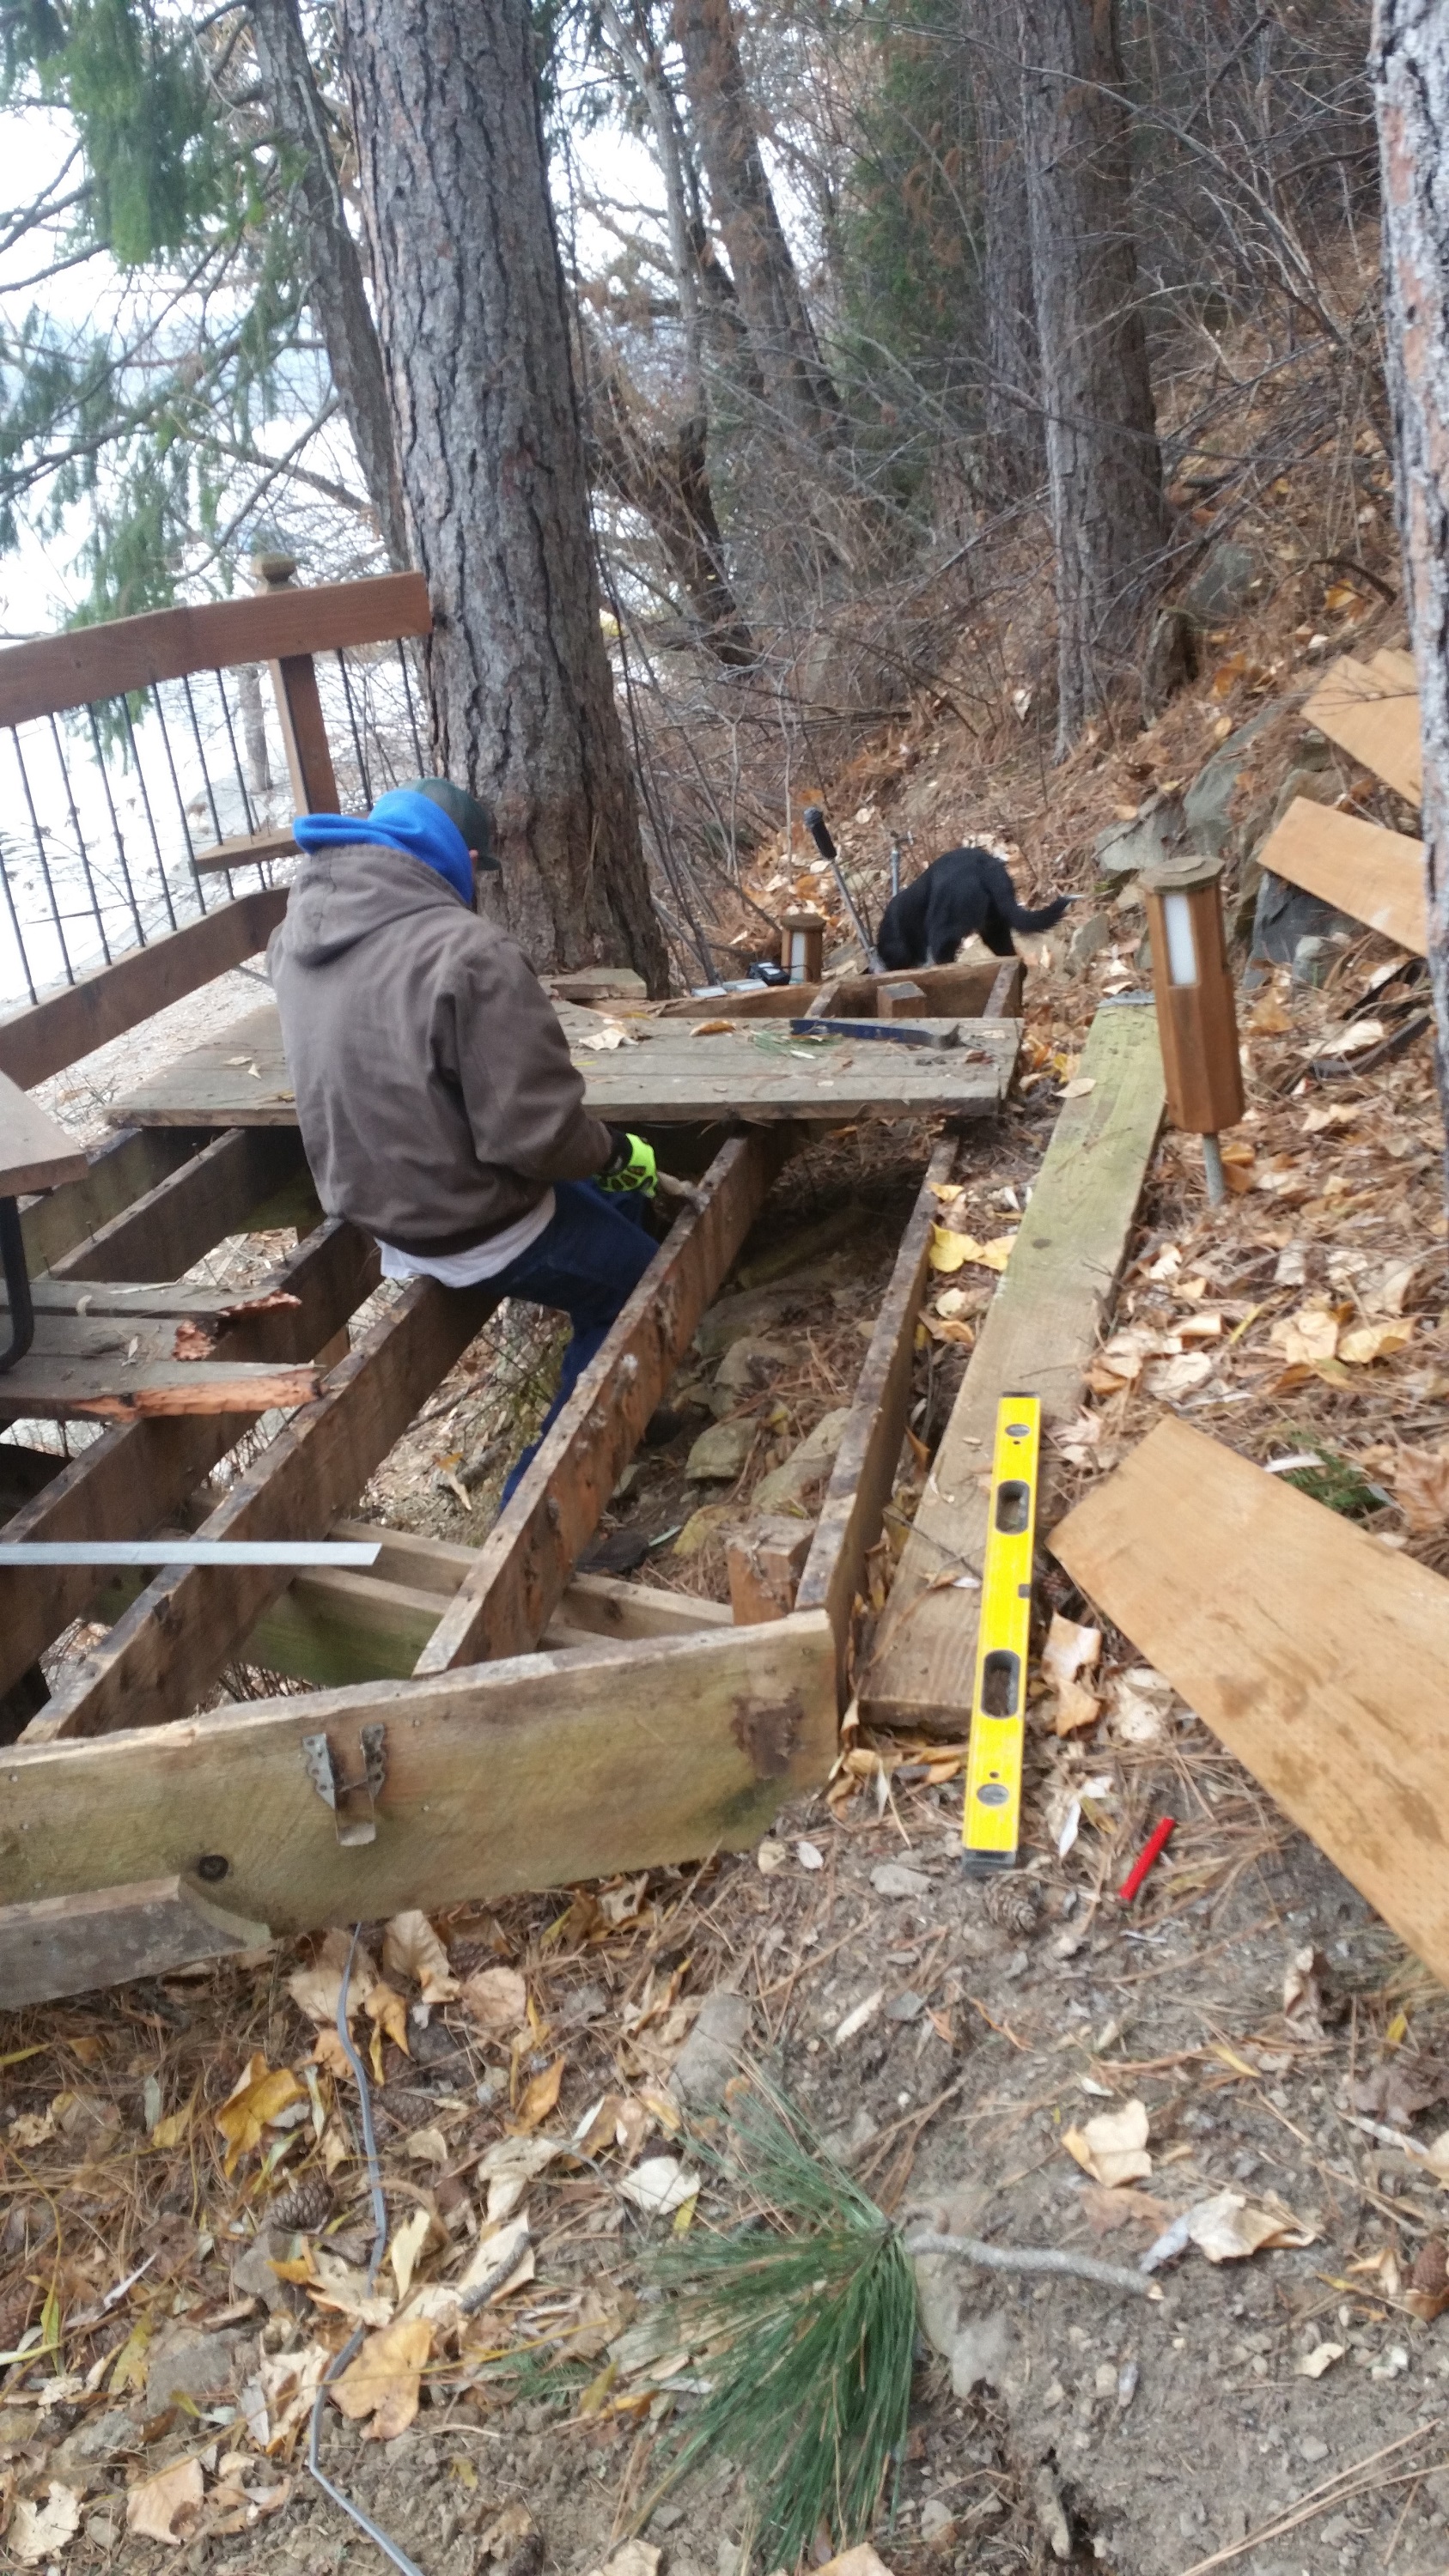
{"x":802,"y":2326}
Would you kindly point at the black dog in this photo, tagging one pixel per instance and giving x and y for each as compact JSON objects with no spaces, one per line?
{"x":963,"y":891}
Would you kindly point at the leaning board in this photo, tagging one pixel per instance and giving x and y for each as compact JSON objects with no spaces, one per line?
{"x":1313,"y":1652}
{"x":1375,"y":876}
{"x":660,"y":1075}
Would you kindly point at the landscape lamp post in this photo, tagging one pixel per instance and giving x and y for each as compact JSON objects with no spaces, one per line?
{"x":1196,"y":1019}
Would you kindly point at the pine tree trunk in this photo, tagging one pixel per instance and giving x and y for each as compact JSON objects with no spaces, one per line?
{"x":471,"y":317}
{"x":335,"y":290}
{"x":1411,"y":84}
{"x":663,"y":474}
{"x":796,"y":380}
{"x":1104,"y":468}
{"x":1015,"y":442}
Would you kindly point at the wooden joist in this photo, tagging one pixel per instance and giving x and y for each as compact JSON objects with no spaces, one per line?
{"x":64,"y":1944}
{"x":244,"y":850}
{"x":104,"y":1379}
{"x":117,"y":1174}
{"x":521,"y":1774}
{"x":865,"y":1465}
{"x":42,"y":1040}
{"x":173,"y":1225}
{"x":174,"y":1640}
{"x":1372,"y":711}
{"x":669,"y":1077}
{"x":35,"y":1151}
{"x":1377,"y":877}
{"x":131,"y":1479}
{"x":502,"y":1607}
{"x":1315,"y":1654}
{"x":1037,"y":1339}
{"x":982,"y":988}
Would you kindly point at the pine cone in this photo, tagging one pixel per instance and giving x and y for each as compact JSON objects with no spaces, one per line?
{"x":1012,"y":1903}
{"x":465,"y":1958}
{"x":304,"y":2209}
{"x":1427,"y":2295}
{"x":17,"y":2307}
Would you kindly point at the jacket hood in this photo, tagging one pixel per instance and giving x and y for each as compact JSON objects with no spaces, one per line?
{"x":345,"y":892}
{"x":408,"y":819}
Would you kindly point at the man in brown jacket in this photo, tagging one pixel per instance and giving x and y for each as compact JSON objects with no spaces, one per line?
{"x":439,"y":1106}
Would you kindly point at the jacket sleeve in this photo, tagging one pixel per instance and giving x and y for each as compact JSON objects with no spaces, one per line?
{"x":522,"y":1092}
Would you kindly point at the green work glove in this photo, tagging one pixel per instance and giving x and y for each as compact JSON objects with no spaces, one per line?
{"x":631,"y":1166}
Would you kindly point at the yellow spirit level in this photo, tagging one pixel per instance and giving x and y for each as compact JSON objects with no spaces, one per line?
{"x":991,"y":1827}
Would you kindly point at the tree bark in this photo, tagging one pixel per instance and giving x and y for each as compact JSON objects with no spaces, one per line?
{"x":1410,"y":62}
{"x":336,"y":292}
{"x":796,"y":381}
{"x":1104,"y":467}
{"x":663,"y":474}
{"x":472,"y":320}
{"x":1015,"y":441}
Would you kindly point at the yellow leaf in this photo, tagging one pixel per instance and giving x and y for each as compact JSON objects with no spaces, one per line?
{"x":170,"y":2131}
{"x":389,"y":2010}
{"x":950,"y":1250}
{"x":684,"y":2216}
{"x":383,"y":2381}
{"x":375,"y":2054}
{"x":128,"y":2370}
{"x":407,"y":2244}
{"x":294,"y":2267}
{"x":1366,"y":1342}
{"x":256,"y":2099}
{"x":1398,"y":2031}
{"x":411,"y":1948}
{"x":540,"y":2097}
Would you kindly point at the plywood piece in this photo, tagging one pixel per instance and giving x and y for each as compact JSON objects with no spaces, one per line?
{"x":1037,"y":1339}
{"x":42,"y":1040}
{"x":1376,"y":877}
{"x":525,"y":1774}
{"x":67,"y":1945}
{"x":130,"y":1480}
{"x":177,"y":1635}
{"x":1375,"y":716}
{"x":669,"y":1077}
{"x":35,"y":1151}
{"x":502,"y":1607}
{"x":1316,"y":1655}
{"x":865,"y":1465}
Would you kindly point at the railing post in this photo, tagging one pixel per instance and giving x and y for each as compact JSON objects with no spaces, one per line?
{"x":299,"y":709}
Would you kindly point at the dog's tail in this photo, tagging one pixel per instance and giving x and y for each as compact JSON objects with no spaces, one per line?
{"x":1045,"y":918}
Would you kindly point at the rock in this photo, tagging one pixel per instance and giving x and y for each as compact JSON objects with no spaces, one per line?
{"x":1315,"y":956}
{"x":908,"y":2006}
{"x":700,"y":1528}
{"x":710,"y":2056}
{"x":806,"y":1470}
{"x":844,"y":2145}
{"x":938,"y":2525}
{"x":1086,"y":941}
{"x":1172,"y":659}
{"x":756,"y":1309}
{"x":1222,"y":583}
{"x":747,"y":1366}
{"x":1312,"y":2448}
{"x":94,"y":2444}
{"x":198,"y":2366}
{"x":1286,"y":914}
{"x":980,"y":2351}
{"x":103,"y":2528}
{"x":1207,"y":815}
{"x":893,"y":1878}
{"x":1144,"y":841}
{"x":719,"y":1454}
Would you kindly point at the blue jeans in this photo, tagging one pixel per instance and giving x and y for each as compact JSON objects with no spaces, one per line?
{"x":587,"y":1262}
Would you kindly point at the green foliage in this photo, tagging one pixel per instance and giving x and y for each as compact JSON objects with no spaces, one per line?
{"x":157,"y":165}
{"x":803,"y":2324}
{"x":908,"y":232}
{"x":1336,"y":1482}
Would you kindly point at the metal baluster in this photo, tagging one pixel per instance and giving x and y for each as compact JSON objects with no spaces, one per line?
{"x":116,"y":834}
{"x":44,"y":859}
{"x":356,"y":736}
{"x":150,"y":817}
{"x":402,"y":655}
{"x":15,"y":922}
{"x":205,"y":773}
{"x":196,"y":876}
{"x":247,"y":807}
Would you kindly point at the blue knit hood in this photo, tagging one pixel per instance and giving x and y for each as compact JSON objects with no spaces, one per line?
{"x":402,"y":820}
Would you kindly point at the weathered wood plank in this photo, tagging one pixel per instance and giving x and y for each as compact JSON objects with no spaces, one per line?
{"x":522,"y":1774}
{"x":952,"y":992}
{"x":1315,"y":1654}
{"x":66,"y":1945}
{"x":35,"y":1151}
{"x":42,"y":1040}
{"x":48,"y":1386}
{"x":129,"y":1480}
{"x":244,"y":850}
{"x":189,"y":1211}
{"x":1377,"y":877}
{"x":108,"y":661}
{"x":502,"y":1607}
{"x":667,"y":1079}
{"x":865,"y":1465}
{"x":605,"y":1604}
{"x":117,"y":1174}
{"x":177,"y":1635}
{"x":1037,"y":1339}
{"x":1375,"y":716}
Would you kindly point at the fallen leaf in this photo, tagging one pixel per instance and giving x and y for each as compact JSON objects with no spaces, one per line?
{"x":1307,"y":1337}
{"x":407,"y":2244}
{"x":713,"y":1029}
{"x":496,"y":1999}
{"x":1312,"y":2365}
{"x":279,"y":2398}
{"x":254,"y":2101}
{"x":632,"y":2558}
{"x":388,"y":2009}
{"x":1229,"y":2226}
{"x":383,"y":2381}
{"x":1077,"y":1705}
{"x":343,"y":2288}
{"x":1304,"y":2007}
{"x":157,"y":2505}
{"x":950,"y":1250}
{"x":427,"y":2146}
{"x":1141,"y":1706}
{"x":1166,"y":1379}
{"x":411,"y":1948}
{"x":770,"y":1856}
{"x":41,"y":2530}
{"x":1078,"y":1089}
{"x":1400,"y":2088}
{"x":1113,"y":2147}
{"x":540,"y":2097}
{"x":1070,"y":1650}
{"x":659,"y":2186}
{"x":1366,"y":1342}
{"x":809,"y":1855}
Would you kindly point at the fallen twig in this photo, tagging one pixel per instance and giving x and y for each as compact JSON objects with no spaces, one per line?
{"x":1036,"y":2258}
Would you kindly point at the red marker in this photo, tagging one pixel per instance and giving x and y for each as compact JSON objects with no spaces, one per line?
{"x":1152,"y":1850}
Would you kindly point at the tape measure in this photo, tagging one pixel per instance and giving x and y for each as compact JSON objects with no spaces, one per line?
{"x":991,"y":1826}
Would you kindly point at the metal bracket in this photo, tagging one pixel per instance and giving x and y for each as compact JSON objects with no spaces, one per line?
{"x":360,"y":1825}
